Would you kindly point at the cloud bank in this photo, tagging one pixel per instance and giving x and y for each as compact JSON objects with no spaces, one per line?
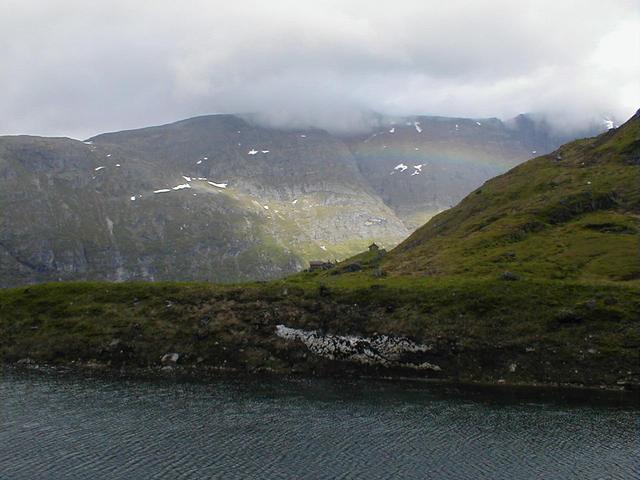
{"x":76,"y":68}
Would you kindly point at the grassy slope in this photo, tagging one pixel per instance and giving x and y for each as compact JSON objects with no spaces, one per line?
{"x":573,"y":214}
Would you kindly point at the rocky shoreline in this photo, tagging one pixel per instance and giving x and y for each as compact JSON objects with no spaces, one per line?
{"x":312,"y":354}
{"x":512,"y":391}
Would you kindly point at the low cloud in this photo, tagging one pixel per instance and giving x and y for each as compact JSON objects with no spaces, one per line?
{"x":78,"y":68}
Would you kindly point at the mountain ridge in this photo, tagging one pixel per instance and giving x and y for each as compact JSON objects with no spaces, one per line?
{"x":196,"y":200}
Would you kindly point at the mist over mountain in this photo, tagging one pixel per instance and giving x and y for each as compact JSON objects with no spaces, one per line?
{"x":325,"y":64}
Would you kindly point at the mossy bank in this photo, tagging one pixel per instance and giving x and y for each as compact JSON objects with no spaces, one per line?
{"x":491,"y":331}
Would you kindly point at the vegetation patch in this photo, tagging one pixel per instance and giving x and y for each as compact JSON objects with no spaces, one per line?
{"x":475,"y":328}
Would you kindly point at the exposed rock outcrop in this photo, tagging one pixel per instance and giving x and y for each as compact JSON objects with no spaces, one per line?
{"x":381,"y":350}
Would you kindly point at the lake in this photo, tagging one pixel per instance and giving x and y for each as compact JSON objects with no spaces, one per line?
{"x":66,"y":426}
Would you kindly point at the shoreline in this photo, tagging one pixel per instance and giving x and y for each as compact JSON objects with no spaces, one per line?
{"x":463,"y":332}
{"x":549,"y":392}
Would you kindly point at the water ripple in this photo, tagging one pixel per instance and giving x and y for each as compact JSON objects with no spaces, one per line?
{"x":78,"y":428}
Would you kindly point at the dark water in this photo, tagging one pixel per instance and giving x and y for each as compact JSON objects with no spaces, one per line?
{"x":55,"y":427}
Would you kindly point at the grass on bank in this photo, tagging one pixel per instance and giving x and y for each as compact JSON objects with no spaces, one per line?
{"x":233,"y":325}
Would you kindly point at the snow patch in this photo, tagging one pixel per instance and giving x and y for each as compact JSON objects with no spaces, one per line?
{"x":418,"y":127}
{"x":219,"y":185}
{"x":252,"y":152}
{"x":479,"y":124}
{"x":97,"y":169}
{"x":133,"y":198}
{"x":188,"y":179}
{"x":181,"y":187}
{"x":323,"y":248}
{"x":401,"y":166}
{"x":393,"y":130}
{"x":295,"y":201}
{"x":162,"y":190}
{"x":373,"y":135}
{"x":110,"y":226}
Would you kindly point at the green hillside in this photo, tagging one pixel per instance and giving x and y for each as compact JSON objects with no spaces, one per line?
{"x":572,"y":214}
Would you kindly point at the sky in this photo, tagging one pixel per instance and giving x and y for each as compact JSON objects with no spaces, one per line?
{"x":78,"y":68}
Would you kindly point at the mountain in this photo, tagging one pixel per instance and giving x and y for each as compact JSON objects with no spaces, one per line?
{"x":572,"y":214}
{"x":219,"y":198}
{"x":422,"y":165}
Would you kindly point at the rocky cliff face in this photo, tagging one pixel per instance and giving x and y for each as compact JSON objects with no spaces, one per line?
{"x":76,"y":211}
{"x":217,"y":198}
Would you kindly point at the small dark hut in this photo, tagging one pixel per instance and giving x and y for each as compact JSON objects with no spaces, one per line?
{"x":319,"y":265}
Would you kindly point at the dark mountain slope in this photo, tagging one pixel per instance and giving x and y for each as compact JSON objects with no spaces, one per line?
{"x":65,"y":217}
{"x":307,"y":183}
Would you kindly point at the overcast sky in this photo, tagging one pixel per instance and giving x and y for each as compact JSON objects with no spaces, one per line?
{"x":77,"y":68}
